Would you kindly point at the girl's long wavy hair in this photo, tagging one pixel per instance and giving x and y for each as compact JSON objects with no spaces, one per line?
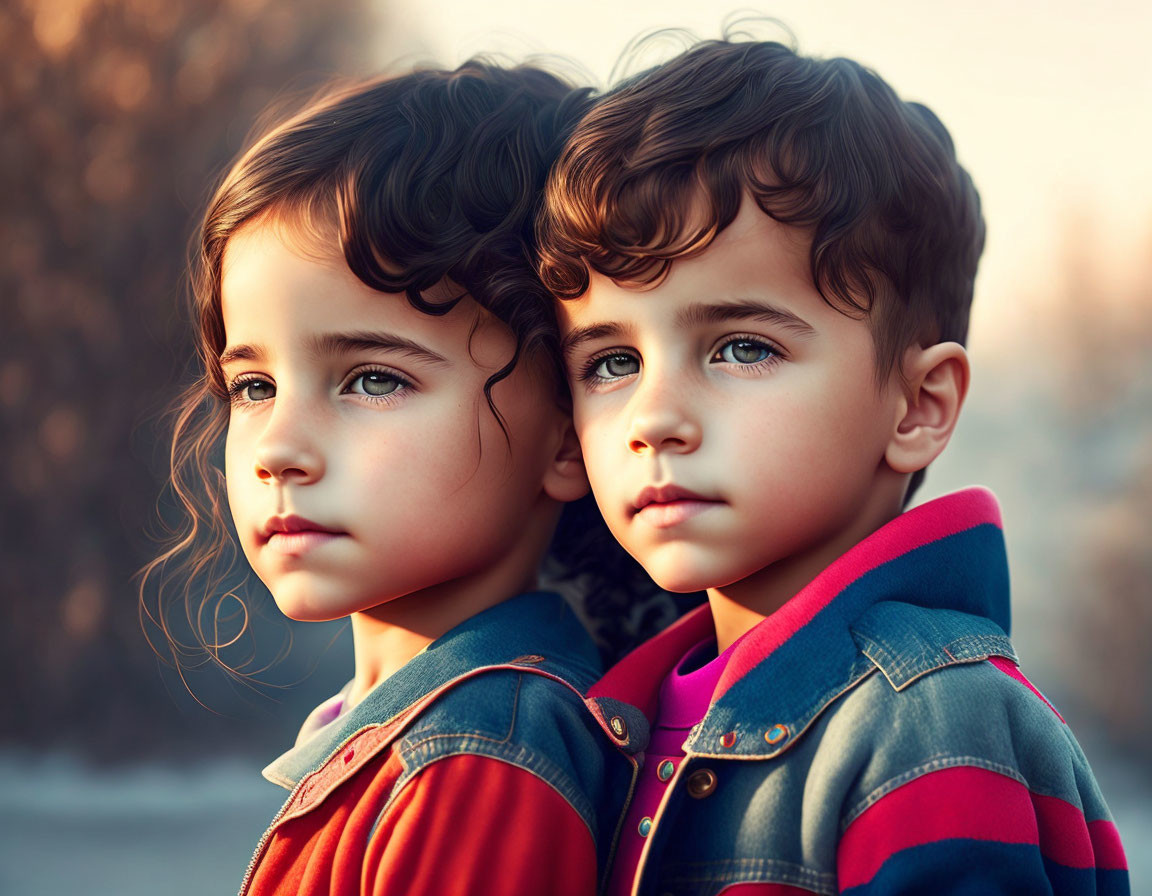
{"x":429,"y":178}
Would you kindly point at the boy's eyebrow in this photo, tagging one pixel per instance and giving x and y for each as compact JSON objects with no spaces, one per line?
{"x":580,"y":335}
{"x":343,"y":344}
{"x":746,"y":309}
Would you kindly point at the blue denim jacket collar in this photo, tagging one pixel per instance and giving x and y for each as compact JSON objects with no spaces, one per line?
{"x":536,"y":630}
{"x":877,"y":606}
{"x":929,"y":589}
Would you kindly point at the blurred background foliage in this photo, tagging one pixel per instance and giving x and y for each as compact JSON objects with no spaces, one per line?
{"x":1059,"y":423}
{"x":117,"y":116}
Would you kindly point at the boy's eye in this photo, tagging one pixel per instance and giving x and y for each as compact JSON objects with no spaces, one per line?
{"x":744,"y":351}
{"x":375,"y":383}
{"x":613,"y":366}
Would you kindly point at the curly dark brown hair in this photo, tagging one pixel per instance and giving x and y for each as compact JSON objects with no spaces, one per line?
{"x":661,"y":164}
{"x":430,"y":178}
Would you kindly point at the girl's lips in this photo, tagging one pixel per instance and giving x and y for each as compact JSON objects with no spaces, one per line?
{"x":293,"y":524}
{"x":295,"y":543}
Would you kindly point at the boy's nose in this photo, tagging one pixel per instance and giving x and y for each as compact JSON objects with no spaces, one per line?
{"x":663,"y":427}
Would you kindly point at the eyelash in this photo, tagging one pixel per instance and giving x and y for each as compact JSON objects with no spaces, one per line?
{"x":587,"y":372}
{"x":775,"y":356}
{"x":237,"y":399}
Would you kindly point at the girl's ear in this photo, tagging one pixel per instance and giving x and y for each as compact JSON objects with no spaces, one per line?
{"x":936,"y":381}
{"x":565,"y":479}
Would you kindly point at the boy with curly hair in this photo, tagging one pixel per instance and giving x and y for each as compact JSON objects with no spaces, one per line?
{"x":766,"y":263}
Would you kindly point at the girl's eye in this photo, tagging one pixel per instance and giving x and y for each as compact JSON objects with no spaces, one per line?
{"x":376,"y":383}
{"x":612,"y":367}
{"x":252,"y":390}
{"x":744,"y":351}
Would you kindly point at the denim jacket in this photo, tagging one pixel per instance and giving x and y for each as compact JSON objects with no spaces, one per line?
{"x":875,"y":736}
{"x":506,"y":684}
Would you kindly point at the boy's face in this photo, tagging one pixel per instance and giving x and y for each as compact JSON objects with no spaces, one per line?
{"x":363,"y":422}
{"x":729,"y":417}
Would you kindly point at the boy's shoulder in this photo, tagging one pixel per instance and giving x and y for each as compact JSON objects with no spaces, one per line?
{"x":947,"y":693}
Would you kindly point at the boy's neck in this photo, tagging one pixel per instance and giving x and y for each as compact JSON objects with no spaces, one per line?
{"x":740,"y":606}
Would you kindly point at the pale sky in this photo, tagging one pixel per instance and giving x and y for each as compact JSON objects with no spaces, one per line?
{"x":1050,"y":105}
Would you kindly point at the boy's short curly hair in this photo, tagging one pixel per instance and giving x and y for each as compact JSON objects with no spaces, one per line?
{"x":661,"y":164}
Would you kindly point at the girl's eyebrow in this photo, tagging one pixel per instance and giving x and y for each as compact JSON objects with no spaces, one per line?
{"x":343,"y":344}
{"x":363,"y":340}
{"x":747,"y":309}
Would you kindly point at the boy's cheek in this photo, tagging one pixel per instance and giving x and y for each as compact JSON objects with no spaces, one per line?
{"x":603,"y":464}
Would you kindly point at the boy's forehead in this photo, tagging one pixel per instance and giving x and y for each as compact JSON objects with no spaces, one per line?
{"x":755,"y":260}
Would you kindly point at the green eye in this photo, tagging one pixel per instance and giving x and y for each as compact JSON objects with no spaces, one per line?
{"x":614,"y":366}
{"x":260,"y":391}
{"x":253,"y":390}
{"x":375,"y":383}
{"x":744,"y":351}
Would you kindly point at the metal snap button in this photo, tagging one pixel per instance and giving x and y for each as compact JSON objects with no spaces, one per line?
{"x":665,"y":769}
{"x":645,"y":826}
{"x":728,"y":739}
{"x":701,"y":783}
{"x":619,"y":727}
{"x":776,"y":733}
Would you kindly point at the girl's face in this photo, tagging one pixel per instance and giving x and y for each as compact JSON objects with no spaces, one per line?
{"x":362,"y":461}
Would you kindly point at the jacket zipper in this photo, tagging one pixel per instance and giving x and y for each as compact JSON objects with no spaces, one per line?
{"x":262,"y":845}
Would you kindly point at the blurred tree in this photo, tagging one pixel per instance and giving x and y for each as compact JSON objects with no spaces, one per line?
{"x":1115,"y":640}
{"x":1101,"y":334}
{"x":116,"y":117}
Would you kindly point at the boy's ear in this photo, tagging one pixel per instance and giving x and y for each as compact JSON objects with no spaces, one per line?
{"x":566,"y":479}
{"x":936,"y":381}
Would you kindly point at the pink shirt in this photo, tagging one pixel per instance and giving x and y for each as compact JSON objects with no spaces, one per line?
{"x":684,"y":698}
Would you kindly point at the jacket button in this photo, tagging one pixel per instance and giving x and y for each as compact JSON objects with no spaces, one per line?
{"x":776,"y":733}
{"x":701,"y":783}
{"x":645,"y":826}
{"x":619,"y":727}
{"x":665,"y":769}
{"x":728,"y":739}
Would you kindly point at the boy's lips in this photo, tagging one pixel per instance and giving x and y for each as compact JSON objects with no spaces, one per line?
{"x":664,"y":506}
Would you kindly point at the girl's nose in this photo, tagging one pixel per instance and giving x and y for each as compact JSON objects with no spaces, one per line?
{"x":288,"y":450}
{"x":660,"y":423}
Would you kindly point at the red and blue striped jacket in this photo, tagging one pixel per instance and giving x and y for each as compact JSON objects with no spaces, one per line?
{"x":875,"y":736}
